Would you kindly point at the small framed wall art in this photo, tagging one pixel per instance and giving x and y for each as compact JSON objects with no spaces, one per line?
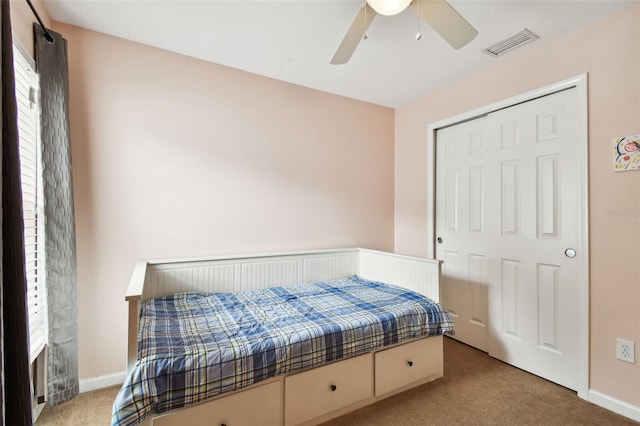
{"x":626,"y":153}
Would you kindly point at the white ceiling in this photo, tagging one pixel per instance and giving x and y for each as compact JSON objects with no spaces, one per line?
{"x":293,"y":40}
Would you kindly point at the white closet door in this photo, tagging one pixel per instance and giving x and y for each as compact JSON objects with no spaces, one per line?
{"x":507,"y":212}
{"x":461,"y":228}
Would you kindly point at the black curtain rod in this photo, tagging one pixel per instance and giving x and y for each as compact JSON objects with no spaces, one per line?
{"x":47,"y":34}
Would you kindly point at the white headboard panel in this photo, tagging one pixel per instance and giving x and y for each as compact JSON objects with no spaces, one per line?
{"x":165,"y":279}
{"x":417,"y":274}
{"x":246,"y":273}
{"x":330,"y":267}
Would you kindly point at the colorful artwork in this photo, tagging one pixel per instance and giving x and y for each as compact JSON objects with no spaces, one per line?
{"x":626,"y":153}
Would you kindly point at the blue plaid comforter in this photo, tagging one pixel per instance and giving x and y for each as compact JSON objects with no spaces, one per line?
{"x":193,"y":346}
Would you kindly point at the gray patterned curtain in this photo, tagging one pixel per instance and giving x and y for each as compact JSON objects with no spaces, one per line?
{"x":59,"y":223}
{"x":16,"y":392}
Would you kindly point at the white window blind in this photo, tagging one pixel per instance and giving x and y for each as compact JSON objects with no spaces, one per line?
{"x":31,"y":174}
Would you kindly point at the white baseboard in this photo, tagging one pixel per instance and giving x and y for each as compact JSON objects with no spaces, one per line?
{"x":99,"y":382}
{"x":617,"y":406}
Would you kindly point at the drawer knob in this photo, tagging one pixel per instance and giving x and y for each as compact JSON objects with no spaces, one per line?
{"x":333,"y":388}
{"x":410,"y":363}
{"x":223,"y":424}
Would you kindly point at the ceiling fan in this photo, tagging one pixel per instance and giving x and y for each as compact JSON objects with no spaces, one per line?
{"x":444,"y":19}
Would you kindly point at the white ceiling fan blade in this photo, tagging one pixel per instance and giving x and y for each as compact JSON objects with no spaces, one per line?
{"x":446,"y":21}
{"x":353,"y":35}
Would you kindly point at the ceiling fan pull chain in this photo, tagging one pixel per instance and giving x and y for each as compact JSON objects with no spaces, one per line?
{"x":418,"y":35}
{"x":364,"y":25}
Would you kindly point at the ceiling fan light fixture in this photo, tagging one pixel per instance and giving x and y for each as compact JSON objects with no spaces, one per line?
{"x":389,"y":7}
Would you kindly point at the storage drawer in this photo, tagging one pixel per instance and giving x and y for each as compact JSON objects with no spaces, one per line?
{"x":261,"y":405}
{"x":324,"y":389}
{"x":408,"y":363}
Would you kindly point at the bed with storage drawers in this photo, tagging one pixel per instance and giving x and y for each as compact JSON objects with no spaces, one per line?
{"x":278,"y":339}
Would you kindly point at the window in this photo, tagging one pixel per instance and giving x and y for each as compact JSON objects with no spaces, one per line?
{"x":31,"y":175}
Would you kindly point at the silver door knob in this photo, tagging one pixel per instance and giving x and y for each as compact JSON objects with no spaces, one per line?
{"x":439,"y":240}
{"x":571,"y":253}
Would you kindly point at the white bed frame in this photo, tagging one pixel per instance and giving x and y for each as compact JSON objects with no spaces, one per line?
{"x":297,"y":398}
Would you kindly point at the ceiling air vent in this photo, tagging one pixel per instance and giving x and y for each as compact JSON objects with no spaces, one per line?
{"x":516,"y":40}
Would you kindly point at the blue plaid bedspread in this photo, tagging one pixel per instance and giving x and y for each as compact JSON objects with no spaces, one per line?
{"x":193,"y":346}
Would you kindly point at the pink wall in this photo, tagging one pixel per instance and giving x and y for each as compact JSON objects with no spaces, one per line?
{"x":609,"y":52}
{"x":176,"y":157}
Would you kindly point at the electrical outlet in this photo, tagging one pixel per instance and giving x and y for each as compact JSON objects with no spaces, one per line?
{"x":626,"y":350}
